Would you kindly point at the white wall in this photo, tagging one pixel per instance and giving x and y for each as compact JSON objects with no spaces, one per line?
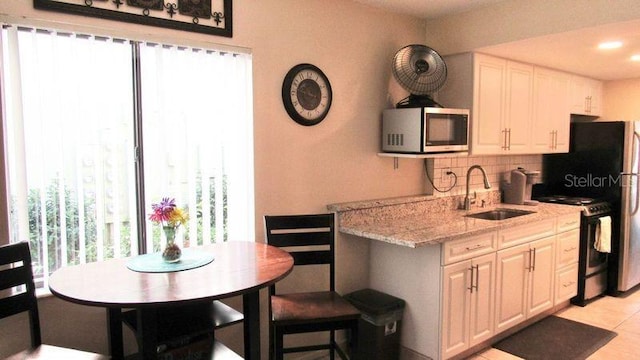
{"x":498,"y":169}
{"x":297,"y":169}
{"x":622,"y":99}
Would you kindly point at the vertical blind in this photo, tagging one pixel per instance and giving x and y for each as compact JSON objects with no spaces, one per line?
{"x":71,"y":113}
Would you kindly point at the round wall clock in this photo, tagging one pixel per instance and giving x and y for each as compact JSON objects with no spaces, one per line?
{"x":306,"y":94}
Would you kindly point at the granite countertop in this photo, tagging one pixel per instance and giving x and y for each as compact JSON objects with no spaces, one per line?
{"x":433,"y":224}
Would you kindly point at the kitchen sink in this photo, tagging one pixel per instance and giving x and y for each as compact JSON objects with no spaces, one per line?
{"x":500,"y":214}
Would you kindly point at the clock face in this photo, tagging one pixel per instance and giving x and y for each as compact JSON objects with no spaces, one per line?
{"x":306,"y":94}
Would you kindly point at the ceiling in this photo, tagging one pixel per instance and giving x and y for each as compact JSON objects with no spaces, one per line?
{"x":574,"y":51}
{"x":428,"y":9}
{"x":577,"y":51}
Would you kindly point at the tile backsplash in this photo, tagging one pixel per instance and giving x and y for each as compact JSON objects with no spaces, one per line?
{"x":498,"y":169}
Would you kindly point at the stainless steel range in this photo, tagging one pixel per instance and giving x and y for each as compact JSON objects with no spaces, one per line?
{"x":593,"y":265}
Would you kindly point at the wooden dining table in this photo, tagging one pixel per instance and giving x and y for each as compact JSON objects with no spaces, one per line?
{"x":239,"y":268}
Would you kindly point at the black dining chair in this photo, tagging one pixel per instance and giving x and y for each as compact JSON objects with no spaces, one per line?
{"x":18,"y":294}
{"x":310,"y":240}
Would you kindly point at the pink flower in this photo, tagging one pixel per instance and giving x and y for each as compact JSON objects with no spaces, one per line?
{"x":162,"y":210}
{"x":166,"y":213}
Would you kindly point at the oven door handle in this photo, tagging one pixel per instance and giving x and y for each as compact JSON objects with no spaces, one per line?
{"x":594,"y":220}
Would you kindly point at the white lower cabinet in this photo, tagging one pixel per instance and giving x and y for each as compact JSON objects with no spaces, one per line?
{"x":541,"y":285}
{"x":566,"y":283}
{"x":464,"y":292}
{"x":567,"y":255}
{"x":468,"y":303}
{"x":524,"y":282}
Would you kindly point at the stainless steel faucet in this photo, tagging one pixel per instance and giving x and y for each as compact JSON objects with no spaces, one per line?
{"x":467,"y":200}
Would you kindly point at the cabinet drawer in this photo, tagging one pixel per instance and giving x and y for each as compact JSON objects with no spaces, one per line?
{"x":463,"y":249}
{"x":566,"y":283}
{"x":568,"y":247}
{"x":568,"y":222}
{"x":526,"y":233}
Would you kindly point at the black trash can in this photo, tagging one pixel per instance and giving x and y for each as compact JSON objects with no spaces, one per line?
{"x":379,"y":327}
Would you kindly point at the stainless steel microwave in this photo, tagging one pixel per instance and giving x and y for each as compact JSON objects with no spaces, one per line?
{"x":425,"y":130}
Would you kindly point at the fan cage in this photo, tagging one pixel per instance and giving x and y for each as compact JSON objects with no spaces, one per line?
{"x":419,"y":69}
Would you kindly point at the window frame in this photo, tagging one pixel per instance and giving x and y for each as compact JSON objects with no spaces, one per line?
{"x":135,"y":41}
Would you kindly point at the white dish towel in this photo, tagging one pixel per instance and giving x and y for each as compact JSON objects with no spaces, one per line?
{"x":602,"y":241}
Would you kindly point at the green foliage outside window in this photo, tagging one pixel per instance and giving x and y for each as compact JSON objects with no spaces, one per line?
{"x":50,"y":206}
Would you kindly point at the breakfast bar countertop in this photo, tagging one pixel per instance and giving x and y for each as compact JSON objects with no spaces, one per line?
{"x":421,"y":221}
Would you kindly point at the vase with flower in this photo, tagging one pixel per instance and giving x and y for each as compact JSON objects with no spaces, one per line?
{"x":170,"y":217}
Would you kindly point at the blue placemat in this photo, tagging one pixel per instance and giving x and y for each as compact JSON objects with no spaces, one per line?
{"x":190,"y":259}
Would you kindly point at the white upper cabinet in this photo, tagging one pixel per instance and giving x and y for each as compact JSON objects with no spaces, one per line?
{"x":586,"y":96}
{"x":516,"y":108}
{"x":488,"y":135}
{"x":550,"y":125}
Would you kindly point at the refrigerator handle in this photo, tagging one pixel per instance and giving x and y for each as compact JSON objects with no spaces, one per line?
{"x":634,"y":160}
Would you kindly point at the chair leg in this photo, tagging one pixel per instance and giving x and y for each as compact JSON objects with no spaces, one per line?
{"x":278,"y":344}
{"x":332,"y":345}
{"x":353,"y":343}
{"x":271,"y":347}
{"x":351,"y":350}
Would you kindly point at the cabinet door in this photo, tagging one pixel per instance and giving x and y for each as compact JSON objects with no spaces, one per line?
{"x":512,"y":273}
{"x":518,"y":107}
{"x":481,"y":324}
{"x":568,"y":247}
{"x":579,"y":95}
{"x":456,"y":297}
{"x":595,"y":93}
{"x":524,"y":234}
{"x":550,"y":127}
{"x":487,"y":132}
{"x":542,"y":274}
{"x":562,"y":116}
{"x":566,"y":283}
{"x":586,"y":96}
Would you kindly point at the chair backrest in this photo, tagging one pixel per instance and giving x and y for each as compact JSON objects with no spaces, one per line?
{"x":17,"y":289}
{"x":308,"y":238}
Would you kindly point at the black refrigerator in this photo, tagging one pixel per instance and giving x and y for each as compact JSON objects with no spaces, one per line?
{"x":602,"y":163}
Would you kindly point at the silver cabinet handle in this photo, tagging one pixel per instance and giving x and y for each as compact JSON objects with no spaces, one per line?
{"x":477,"y":276}
{"x":534,"y":259}
{"x":509,"y":143}
{"x":587,"y":104}
{"x":470,"y":288}
{"x":504,"y":139}
{"x":476,"y":246}
{"x":570,"y":223}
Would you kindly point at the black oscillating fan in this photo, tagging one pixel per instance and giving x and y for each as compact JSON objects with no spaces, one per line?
{"x":421,"y":71}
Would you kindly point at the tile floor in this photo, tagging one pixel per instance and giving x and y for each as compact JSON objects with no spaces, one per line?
{"x":619,"y":314}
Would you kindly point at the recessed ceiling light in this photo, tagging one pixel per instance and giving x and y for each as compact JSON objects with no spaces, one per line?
{"x":610,"y":45}
{"x":635,"y":57}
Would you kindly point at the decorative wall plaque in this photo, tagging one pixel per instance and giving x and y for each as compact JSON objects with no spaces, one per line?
{"x":203,"y":16}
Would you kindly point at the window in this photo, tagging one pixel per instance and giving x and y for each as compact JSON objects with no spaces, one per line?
{"x":99,"y":128}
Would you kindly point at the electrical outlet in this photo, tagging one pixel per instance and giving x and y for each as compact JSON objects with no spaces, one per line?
{"x":446,"y":172}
